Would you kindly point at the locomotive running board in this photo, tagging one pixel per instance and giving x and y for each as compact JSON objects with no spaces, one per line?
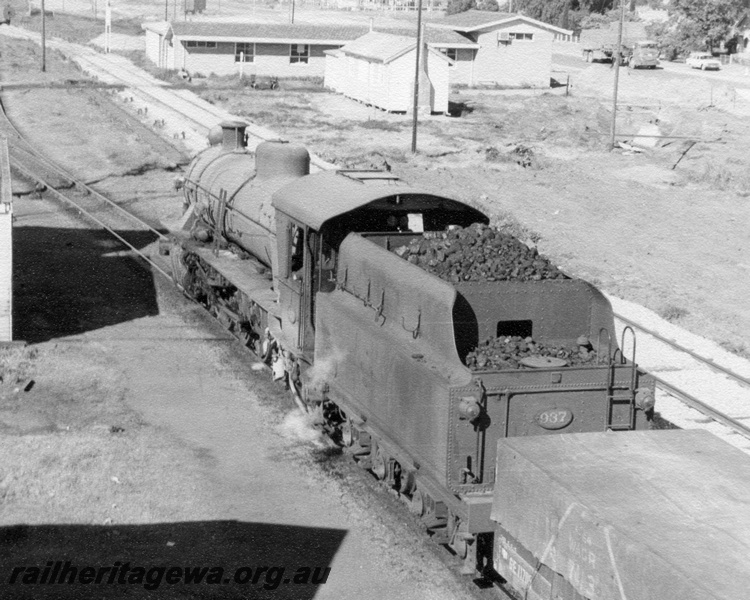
{"x":255,"y":285}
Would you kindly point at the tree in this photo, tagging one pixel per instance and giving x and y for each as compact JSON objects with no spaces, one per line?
{"x":458,"y":6}
{"x":702,"y":23}
{"x":602,"y":21}
{"x":563,"y":13}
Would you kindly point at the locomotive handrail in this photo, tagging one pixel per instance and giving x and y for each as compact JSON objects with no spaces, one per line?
{"x":379,"y":308}
{"x":414,"y":332}
{"x":220,"y":220}
{"x":599,"y":345}
{"x":633,"y":367}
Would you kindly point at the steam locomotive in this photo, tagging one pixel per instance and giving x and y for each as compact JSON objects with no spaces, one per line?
{"x":302,"y":268}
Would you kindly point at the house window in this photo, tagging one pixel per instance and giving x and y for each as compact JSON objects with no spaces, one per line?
{"x":526,"y":37}
{"x":451,"y":53}
{"x":194,"y":44}
{"x":299,"y":53}
{"x":244,"y":52}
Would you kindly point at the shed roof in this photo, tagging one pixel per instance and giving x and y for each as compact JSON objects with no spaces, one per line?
{"x":381,"y":47}
{"x":315,"y":199}
{"x":304,"y":33}
{"x":475,"y":20}
{"x":160,"y":27}
{"x":297,"y":33}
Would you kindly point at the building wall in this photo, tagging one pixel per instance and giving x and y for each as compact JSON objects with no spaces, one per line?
{"x":389,"y":86}
{"x":438,"y":71}
{"x":153,"y":40}
{"x":270,"y":59}
{"x":462,"y":69}
{"x":515,"y":63}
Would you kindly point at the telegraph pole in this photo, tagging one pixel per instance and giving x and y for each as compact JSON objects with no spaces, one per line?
{"x":616,"y":64}
{"x":416,"y":80}
{"x":44,"y":40}
{"x":108,"y":28}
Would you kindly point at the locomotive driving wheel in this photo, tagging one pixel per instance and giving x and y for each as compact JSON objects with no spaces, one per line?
{"x":379,"y":465}
{"x":346,"y":432}
{"x":416,"y":505}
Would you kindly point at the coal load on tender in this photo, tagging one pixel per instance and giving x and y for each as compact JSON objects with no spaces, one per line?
{"x":481,"y":253}
{"x":514,"y":353}
{"x":478,"y":253}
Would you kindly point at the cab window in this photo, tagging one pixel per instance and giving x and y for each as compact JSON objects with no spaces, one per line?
{"x":297,"y":254}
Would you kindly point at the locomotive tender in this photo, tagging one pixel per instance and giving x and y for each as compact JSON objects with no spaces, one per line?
{"x":301,"y":268}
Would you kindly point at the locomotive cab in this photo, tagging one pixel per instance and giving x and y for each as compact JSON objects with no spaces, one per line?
{"x":314,"y":214}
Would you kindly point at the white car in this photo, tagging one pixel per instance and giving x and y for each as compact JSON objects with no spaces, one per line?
{"x":703,"y":61}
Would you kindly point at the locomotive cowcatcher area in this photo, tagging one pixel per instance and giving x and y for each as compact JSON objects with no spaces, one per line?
{"x":134,"y":428}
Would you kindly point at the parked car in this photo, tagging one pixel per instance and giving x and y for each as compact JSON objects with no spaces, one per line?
{"x":703,"y":61}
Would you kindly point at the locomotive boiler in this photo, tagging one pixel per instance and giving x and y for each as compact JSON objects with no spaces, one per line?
{"x":314,"y":272}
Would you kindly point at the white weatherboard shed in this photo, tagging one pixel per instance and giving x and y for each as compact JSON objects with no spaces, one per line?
{"x":6,"y":245}
{"x":378,"y":69}
{"x":512,"y":50}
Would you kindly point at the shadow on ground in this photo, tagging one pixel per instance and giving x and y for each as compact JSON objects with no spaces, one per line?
{"x":69,"y":281}
{"x":273,"y":561}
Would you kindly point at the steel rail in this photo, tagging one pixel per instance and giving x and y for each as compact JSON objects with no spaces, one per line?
{"x":703,"y":360}
{"x":701,"y":406}
{"x":689,"y":399}
{"x":145,"y":94}
{"x":96,"y":220}
{"x":79,"y":184}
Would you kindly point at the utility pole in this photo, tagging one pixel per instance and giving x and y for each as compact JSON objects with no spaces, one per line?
{"x":416,"y":80}
{"x":616,"y":65}
{"x":108,"y":28}
{"x":44,"y":40}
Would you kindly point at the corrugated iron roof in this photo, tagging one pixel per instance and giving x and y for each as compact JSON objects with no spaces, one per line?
{"x":434,"y":36}
{"x":473,"y":20}
{"x":379,"y":46}
{"x":305,"y":33}
{"x":160,"y":27}
{"x":296,"y":32}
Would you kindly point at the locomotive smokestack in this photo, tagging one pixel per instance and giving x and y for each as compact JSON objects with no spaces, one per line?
{"x":232,"y":135}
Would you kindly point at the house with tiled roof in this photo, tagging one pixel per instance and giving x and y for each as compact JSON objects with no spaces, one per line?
{"x":378,"y":69}
{"x":511,"y":50}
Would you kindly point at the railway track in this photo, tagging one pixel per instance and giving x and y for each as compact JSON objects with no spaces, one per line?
{"x":719,"y":390}
{"x":177,"y":112}
{"x":79,"y":196}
